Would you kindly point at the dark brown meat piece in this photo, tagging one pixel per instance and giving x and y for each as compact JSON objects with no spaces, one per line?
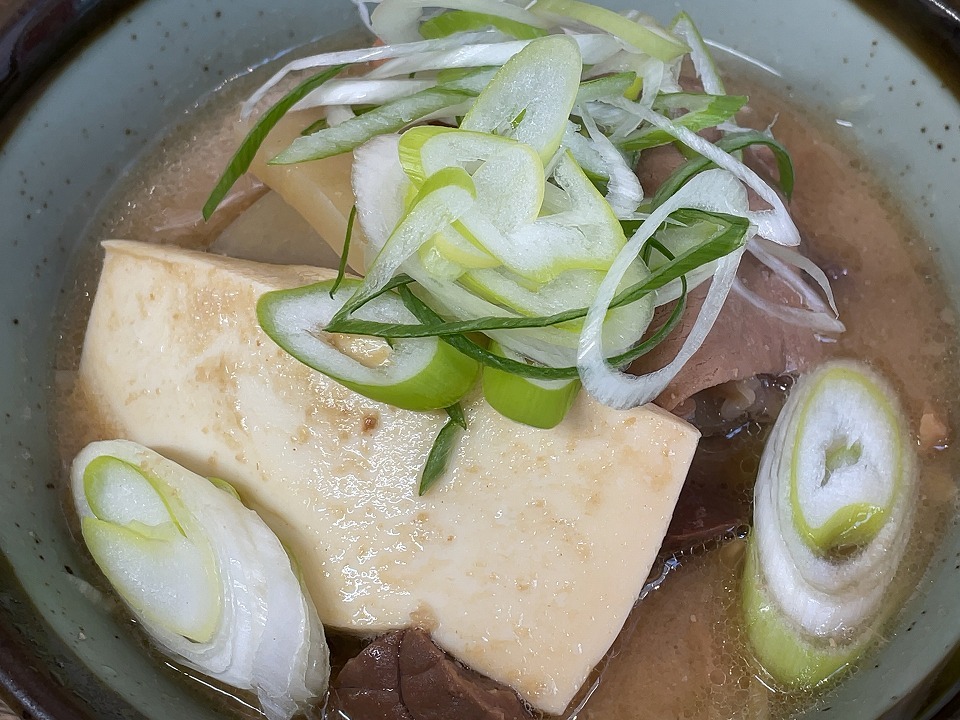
{"x":403,"y":675}
{"x":714,"y":505}
{"x":745,"y":341}
{"x":368,"y":687}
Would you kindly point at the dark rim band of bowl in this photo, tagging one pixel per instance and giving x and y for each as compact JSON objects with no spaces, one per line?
{"x":37,"y":38}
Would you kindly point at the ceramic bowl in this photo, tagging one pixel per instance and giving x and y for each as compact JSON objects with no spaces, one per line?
{"x":79,"y":120}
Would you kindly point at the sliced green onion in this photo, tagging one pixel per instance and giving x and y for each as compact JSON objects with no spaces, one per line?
{"x":539,"y":85}
{"x":650,"y":39}
{"x":604,"y":87}
{"x":357,"y":130}
{"x":509,"y":182}
{"x":206,"y":578}
{"x":716,"y":247}
{"x":538,"y":403}
{"x":240,"y":162}
{"x":455,"y":21}
{"x":704,"y":111}
{"x":583,"y":234}
{"x":422,"y":375}
{"x":730,"y":144}
{"x":474,"y":350}
{"x":586,"y":155}
{"x":833,"y":509}
{"x":445,"y":196}
{"x":458,"y":245}
{"x":794,"y":659}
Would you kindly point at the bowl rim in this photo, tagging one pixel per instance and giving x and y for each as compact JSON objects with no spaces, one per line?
{"x":40,"y":37}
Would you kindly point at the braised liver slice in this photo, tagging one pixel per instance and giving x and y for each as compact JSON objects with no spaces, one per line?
{"x":403,"y":675}
{"x":744,"y":342}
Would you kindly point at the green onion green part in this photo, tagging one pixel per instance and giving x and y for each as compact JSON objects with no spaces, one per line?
{"x":440,"y":453}
{"x":648,"y":38}
{"x":355,"y":131}
{"x":714,"y":248}
{"x":240,"y":162}
{"x":704,"y":111}
{"x":345,"y":253}
{"x":455,"y":412}
{"x":456,"y":21}
{"x":731,"y":144}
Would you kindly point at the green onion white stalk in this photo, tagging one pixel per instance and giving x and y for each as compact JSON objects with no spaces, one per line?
{"x":207,"y":579}
{"x":703,"y":63}
{"x":834,"y":504}
{"x":624,"y":192}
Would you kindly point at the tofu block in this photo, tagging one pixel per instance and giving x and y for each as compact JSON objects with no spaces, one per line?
{"x":524,"y":562}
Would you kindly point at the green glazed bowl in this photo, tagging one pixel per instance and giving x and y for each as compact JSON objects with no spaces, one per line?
{"x":81,"y":120}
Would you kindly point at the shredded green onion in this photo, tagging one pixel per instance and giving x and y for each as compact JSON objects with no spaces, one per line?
{"x":345,"y":253}
{"x":474,"y":350}
{"x":714,"y":248}
{"x":704,"y":111}
{"x":604,"y":87}
{"x":455,"y":21}
{"x":442,"y":449}
{"x":651,"y":39}
{"x":357,"y":130}
{"x":240,"y":162}
{"x":731,"y":143}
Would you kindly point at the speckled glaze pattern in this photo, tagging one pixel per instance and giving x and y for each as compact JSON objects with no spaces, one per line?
{"x":74,"y":140}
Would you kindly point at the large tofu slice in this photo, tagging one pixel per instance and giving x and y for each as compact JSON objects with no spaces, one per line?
{"x":524,"y":562}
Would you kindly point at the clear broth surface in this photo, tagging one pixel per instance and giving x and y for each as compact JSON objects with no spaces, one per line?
{"x":682,"y":654}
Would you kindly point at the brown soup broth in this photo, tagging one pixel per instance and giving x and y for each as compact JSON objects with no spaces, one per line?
{"x":682,"y":654}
